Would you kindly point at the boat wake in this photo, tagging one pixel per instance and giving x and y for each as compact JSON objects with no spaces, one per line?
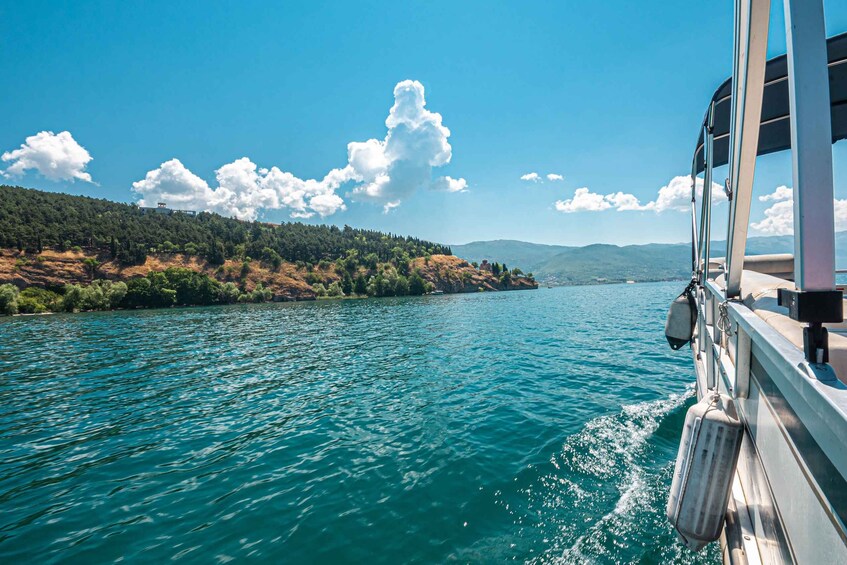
{"x":604,"y":499}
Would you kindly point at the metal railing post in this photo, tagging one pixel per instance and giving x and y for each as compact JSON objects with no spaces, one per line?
{"x":695,"y":247}
{"x":811,"y":145}
{"x":748,"y":79}
{"x":708,"y":155}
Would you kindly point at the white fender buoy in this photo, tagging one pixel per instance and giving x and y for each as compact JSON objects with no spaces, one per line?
{"x":705,"y":466}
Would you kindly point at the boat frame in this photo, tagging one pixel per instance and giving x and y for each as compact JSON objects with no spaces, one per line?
{"x":788,"y":502}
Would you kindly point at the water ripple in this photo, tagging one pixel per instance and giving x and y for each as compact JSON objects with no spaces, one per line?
{"x":533,"y":426}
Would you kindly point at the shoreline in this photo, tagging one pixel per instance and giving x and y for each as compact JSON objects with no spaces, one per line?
{"x":312,"y":300}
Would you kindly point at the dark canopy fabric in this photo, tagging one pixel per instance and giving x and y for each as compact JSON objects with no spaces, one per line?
{"x":775,"y":129}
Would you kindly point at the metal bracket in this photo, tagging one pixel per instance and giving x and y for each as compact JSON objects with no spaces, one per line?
{"x":815,"y":307}
{"x":816,"y":343}
{"x":727,"y":189}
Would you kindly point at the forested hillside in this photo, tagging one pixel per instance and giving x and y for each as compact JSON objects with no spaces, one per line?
{"x":31,"y":220}
{"x":71,"y":253}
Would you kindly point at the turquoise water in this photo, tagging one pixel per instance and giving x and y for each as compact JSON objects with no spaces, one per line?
{"x":536,"y":426}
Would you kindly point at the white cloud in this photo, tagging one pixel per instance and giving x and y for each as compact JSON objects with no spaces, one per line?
{"x":55,"y":156}
{"x":392,"y":169}
{"x":781,"y":193}
{"x":553,"y":177}
{"x":326,"y":204}
{"x":624,"y":202}
{"x":242,"y":191}
{"x":676,"y":195}
{"x":779,"y":217}
{"x":385,"y":171}
{"x":778,"y":220}
{"x":389,"y":206}
{"x":532,"y":177}
{"x":177,"y":186}
{"x":449,"y":184}
{"x":583,"y":201}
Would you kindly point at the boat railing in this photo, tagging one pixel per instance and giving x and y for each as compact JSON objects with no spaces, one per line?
{"x":807,"y":76}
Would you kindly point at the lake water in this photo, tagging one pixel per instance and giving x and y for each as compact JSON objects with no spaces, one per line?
{"x":536,"y":426}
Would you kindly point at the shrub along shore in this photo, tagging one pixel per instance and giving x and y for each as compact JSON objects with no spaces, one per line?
{"x":183,"y":287}
{"x":172,"y":287}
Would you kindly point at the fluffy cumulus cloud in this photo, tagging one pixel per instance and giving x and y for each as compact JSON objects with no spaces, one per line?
{"x":779,"y":217}
{"x":390,"y":170}
{"x":531,"y":177}
{"x":56,"y":156}
{"x":676,"y":195}
{"x":385,"y":171}
{"x":242,"y":190}
{"x":583,"y":201}
{"x":553,"y":177}
{"x":781,"y":193}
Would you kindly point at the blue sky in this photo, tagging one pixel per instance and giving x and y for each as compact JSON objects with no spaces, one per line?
{"x":607,"y":94}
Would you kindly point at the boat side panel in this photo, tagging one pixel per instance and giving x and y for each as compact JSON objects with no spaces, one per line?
{"x":772,"y":541}
{"x":813,"y":531}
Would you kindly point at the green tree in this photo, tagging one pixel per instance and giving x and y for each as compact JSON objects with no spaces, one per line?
{"x":351,"y":261}
{"x":401,"y":286}
{"x":272,"y":257}
{"x":371,"y":261}
{"x":9,"y":299}
{"x":116,"y":294}
{"x":34,"y":300}
{"x":347,"y":284}
{"x":99,"y":295}
{"x":228,"y":293}
{"x":400,"y":258}
{"x":151,"y":291}
{"x":217,"y":253}
{"x":258,"y":295}
{"x":192,"y":287}
{"x":30,"y":305}
{"x":90,"y":265}
{"x":335,"y":289}
{"x":417,"y":285}
{"x":360,"y":286}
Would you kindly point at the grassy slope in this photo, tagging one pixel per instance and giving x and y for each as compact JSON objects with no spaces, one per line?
{"x":54,"y":269}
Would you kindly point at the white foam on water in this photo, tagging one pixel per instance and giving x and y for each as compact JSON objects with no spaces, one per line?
{"x":605,"y":452}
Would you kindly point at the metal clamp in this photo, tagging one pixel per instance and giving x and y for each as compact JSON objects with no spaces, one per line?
{"x":815,"y":307}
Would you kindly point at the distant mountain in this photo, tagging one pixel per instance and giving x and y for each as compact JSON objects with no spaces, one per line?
{"x":598,"y":263}
{"x":528,"y":256}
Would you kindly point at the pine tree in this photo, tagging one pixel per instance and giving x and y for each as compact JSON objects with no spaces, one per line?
{"x":361,"y":285}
